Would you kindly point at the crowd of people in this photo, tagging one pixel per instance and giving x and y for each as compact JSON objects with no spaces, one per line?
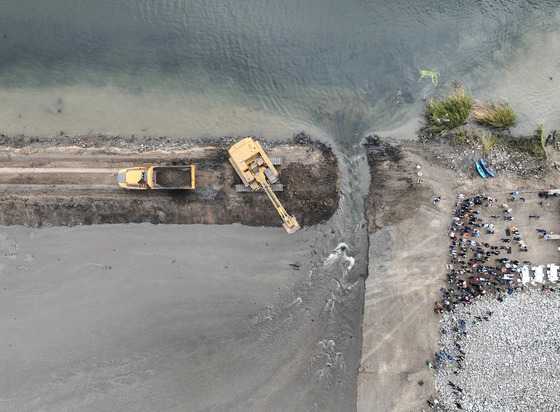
{"x":480,"y":262}
{"x":477,"y":267}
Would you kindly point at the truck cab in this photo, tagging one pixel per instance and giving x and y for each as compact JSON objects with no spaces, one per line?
{"x":133,"y":178}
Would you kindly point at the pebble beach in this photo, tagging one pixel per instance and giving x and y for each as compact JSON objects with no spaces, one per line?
{"x":508,"y":361}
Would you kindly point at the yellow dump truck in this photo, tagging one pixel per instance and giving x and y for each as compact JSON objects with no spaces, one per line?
{"x":157,"y":177}
{"x":257,"y":172}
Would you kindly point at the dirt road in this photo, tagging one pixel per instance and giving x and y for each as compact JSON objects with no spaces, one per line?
{"x":72,"y":181}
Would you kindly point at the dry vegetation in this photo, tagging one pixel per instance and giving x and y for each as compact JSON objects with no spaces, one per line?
{"x":494,"y":115}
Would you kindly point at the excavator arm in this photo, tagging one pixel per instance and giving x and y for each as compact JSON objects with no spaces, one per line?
{"x":289,"y":222}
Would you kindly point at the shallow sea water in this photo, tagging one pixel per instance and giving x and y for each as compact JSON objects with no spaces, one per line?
{"x":207,"y":68}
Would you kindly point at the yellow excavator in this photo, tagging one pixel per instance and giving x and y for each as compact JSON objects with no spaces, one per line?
{"x":257,"y":173}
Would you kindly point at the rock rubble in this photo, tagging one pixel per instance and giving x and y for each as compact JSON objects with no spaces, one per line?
{"x":501,"y":355}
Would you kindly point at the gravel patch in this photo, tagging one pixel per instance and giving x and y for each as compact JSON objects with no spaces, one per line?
{"x":501,"y":355}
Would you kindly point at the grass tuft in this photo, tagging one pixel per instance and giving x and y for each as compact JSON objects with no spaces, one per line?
{"x":539,"y":134}
{"x":448,"y":113}
{"x":488,"y":141}
{"x":497,"y":115}
{"x":461,"y":137}
{"x":531,"y":146}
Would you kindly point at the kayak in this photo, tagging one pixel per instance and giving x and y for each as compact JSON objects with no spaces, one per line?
{"x":480,"y":171}
{"x":486,"y":168}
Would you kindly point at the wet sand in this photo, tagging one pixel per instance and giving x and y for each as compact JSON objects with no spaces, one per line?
{"x":168,"y":317}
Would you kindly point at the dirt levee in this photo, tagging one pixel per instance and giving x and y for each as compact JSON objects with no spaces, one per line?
{"x":73,"y":180}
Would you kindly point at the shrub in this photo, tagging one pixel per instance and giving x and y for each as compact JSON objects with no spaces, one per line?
{"x":531,"y":146}
{"x":447,"y":113}
{"x":497,"y":115}
{"x":464,"y":136}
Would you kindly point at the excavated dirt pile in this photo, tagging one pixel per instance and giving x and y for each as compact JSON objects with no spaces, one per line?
{"x":398,"y":189}
{"x":67,"y":181}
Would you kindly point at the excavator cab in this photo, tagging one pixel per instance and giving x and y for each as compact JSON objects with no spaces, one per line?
{"x":257,"y":172}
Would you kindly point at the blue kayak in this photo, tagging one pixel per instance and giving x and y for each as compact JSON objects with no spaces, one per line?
{"x":486,"y":168}
{"x":480,"y":171}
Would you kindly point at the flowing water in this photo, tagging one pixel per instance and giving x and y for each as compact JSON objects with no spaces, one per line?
{"x":338,"y":70}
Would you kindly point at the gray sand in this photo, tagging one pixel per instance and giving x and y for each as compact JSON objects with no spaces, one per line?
{"x":143,"y":317}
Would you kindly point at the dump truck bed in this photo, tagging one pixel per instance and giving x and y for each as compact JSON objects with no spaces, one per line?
{"x":174,"y":177}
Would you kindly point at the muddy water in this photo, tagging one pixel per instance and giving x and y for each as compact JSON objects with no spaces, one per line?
{"x":242,"y":333}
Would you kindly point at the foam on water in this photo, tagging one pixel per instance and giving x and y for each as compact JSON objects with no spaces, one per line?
{"x":338,"y":251}
{"x":346,"y":263}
